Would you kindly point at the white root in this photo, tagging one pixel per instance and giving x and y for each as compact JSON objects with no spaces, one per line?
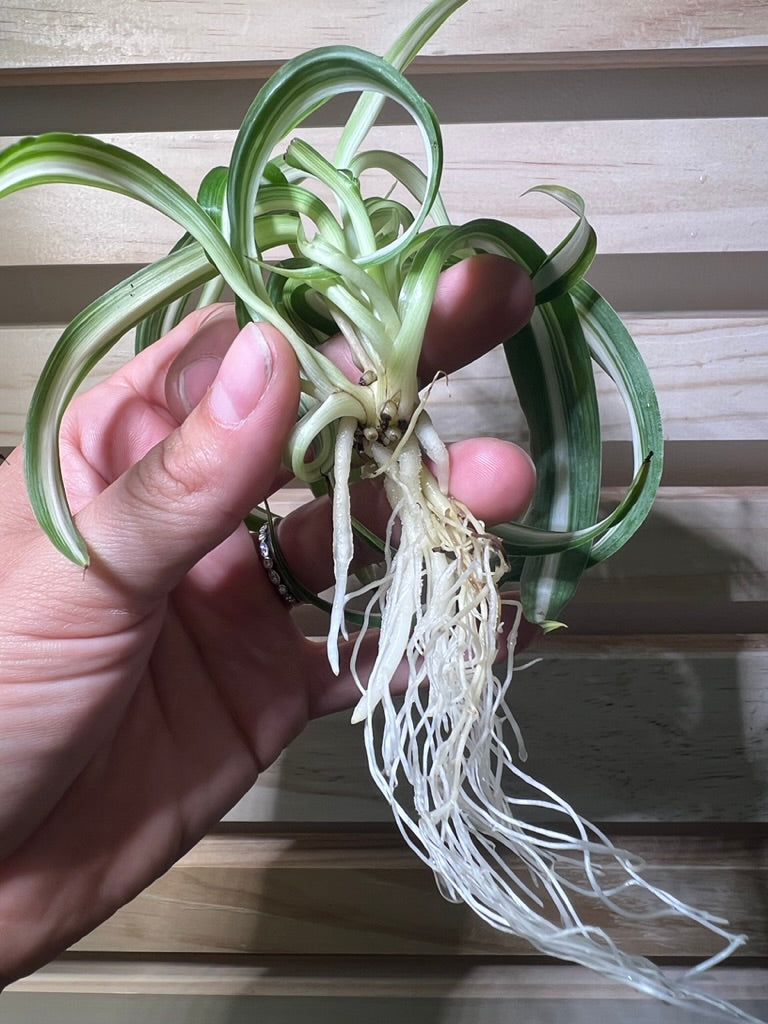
{"x":441,"y":756}
{"x":343,"y":541}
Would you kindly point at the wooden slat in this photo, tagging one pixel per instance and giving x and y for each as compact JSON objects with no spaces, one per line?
{"x":353,"y":978}
{"x":25,"y":350}
{"x":698,"y":545}
{"x":366,"y":894}
{"x":63,"y":33}
{"x":644,"y":728}
{"x":665,"y":186}
{"x":710,"y":374}
{"x":329,"y":991}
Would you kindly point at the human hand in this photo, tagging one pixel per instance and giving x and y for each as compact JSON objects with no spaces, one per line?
{"x":141,"y":698}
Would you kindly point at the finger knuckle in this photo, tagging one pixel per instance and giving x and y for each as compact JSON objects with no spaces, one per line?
{"x":175,"y":477}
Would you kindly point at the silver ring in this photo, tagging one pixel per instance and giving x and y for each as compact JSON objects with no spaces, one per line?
{"x":263,"y":541}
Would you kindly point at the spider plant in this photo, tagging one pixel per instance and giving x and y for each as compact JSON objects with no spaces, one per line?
{"x":367,"y":266}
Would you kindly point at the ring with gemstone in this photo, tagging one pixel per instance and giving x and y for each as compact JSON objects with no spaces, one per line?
{"x":263,"y":541}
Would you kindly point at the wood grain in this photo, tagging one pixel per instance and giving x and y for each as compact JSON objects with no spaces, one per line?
{"x":710,"y":374}
{"x":332,"y":990}
{"x":366,"y":894}
{"x":661,"y":186}
{"x":354,"y":978}
{"x":63,"y":33}
{"x":654,"y":729}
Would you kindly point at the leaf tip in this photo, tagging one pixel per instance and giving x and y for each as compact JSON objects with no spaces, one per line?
{"x":550,"y":625}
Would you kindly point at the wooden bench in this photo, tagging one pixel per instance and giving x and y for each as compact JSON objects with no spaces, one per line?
{"x":650,"y":714}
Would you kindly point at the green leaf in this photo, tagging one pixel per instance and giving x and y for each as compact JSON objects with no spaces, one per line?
{"x":400,"y":54}
{"x":404,"y":171}
{"x":165,"y":317}
{"x":520,"y":539}
{"x":550,"y":365}
{"x":613,"y":348}
{"x":298,"y":202}
{"x":289,"y":96}
{"x":571,"y":259}
{"x":85,"y":341}
{"x":210,"y":196}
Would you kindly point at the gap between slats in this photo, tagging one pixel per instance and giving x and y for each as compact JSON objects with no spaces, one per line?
{"x":215,"y":74}
{"x":719,"y":284}
{"x":215,"y":97}
{"x":689,"y":463}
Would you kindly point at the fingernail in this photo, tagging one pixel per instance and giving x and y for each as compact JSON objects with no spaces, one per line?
{"x":242,"y":378}
{"x":195,"y":380}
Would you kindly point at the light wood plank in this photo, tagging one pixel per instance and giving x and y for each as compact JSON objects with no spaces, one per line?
{"x":62,"y":33}
{"x":650,"y":186}
{"x":444,"y":1007}
{"x":25,"y":350}
{"x":352,"y":978}
{"x":641,"y":728}
{"x":366,"y":894}
{"x":710,"y":374}
{"x":698,"y":544}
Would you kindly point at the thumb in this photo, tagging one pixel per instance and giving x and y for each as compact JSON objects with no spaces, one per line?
{"x":191,"y":491}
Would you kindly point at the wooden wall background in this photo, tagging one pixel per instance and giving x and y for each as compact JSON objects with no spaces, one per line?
{"x":650,"y":714}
